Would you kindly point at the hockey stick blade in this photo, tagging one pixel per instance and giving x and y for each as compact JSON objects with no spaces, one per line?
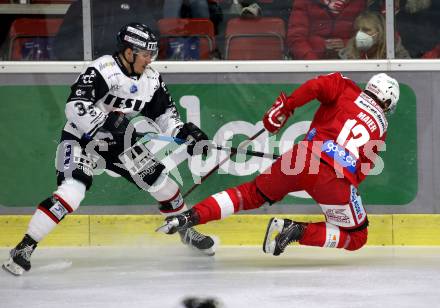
{"x":168,"y":226}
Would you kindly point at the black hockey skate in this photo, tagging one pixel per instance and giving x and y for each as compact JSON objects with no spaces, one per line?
{"x":198,"y":241}
{"x":183,"y":223}
{"x":288,"y":231}
{"x":20,"y":257}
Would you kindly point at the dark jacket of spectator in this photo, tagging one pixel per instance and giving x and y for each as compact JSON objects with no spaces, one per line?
{"x":108,"y":16}
{"x":312,"y":24}
{"x":418,"y":23}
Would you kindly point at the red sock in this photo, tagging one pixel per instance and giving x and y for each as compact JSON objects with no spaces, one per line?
{"x":227,"y":202}
{"x":323,"y":234}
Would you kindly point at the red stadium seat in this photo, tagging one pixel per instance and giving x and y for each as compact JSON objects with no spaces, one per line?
{"x":255,"y":39}
{"x":31,"y":38}
{"x":194,"y":35}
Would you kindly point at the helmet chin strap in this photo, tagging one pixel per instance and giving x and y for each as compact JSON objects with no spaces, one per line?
{"x":131,"y":64}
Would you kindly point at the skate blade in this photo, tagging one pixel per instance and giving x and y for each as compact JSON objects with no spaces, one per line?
{"x":13,"y":268}
{"x":206,"y":252}
{"x":168,"y":226}
{"x":275,"y":225}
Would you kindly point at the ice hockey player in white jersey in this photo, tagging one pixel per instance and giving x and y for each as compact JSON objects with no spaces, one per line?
{"x":111,"y":91}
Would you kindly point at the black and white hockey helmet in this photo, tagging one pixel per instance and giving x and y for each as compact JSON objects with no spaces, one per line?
{"x":138,"y":37}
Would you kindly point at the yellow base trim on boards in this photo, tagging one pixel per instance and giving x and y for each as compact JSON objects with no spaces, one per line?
{"x":104,"y":230}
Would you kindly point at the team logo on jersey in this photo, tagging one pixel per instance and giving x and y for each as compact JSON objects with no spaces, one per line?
{"x":127,"y":103}
{"x":311,"y":134}
{"x":58,"y":210}
{"x":67,"y":155}
{"x":337,"y":216}
{"x":106,"y":64}
{"x":133,"y":89}
{"x":115,"y":87}
{"x":89,"y":78}
{"x":340,"y":155}
{"x":356,"y":201}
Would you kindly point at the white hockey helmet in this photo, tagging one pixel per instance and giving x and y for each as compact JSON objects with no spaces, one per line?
{"x":386,"y":89}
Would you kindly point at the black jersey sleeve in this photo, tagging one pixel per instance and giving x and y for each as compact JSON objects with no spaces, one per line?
{"x":80,"y":109}
{"x":162,"y":109}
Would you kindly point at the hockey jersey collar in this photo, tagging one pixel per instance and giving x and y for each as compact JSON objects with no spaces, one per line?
{"x":123,"y":68}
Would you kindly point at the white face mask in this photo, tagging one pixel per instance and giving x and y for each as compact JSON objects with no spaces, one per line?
{"x":364,"y":41}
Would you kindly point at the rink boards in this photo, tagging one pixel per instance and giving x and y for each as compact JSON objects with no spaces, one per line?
{"x":103,"y":230}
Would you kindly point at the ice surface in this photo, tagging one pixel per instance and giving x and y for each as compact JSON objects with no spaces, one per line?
{"x":161,"y":276}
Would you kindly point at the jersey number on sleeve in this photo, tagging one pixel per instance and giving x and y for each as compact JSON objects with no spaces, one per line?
{"x":360,"y":136}
{"x":82,"y":110}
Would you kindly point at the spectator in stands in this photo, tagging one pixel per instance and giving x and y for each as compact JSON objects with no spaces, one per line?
{"x":418,"y":23}
{"x":108,"y":16}
{"x":188,"y":48}
{"x":379,"y":6}
{"x":433,"y":54}
{"x":319,"y":29}
{"x":194,"y":9}
{"x":275,"y":8}
{"x":370,"y":39}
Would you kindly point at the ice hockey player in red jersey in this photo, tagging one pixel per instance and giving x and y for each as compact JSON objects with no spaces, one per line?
{"x":110,"y":92}
{"x":339,"y":150}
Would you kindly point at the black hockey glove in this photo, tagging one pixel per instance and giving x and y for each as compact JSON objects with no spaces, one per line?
{"x":117,"y":124}
{"x":190,"y":132}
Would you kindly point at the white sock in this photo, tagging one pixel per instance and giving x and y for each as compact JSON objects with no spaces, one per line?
{"x":40,"y":225}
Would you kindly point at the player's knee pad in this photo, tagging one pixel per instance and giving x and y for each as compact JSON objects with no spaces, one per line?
{"x":71,"y":192}
{"x":73,"y":162}
{"x":143,"y":167}
{"x":167,"y":193}
{"x":350,"y":216}
{"x":65,"y":200}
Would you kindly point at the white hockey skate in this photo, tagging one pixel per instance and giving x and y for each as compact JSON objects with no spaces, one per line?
{"x":286,"y":230}
{"x":13,"y":268}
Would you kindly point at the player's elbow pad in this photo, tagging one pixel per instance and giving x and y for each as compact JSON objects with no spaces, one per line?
{"x":85,"y":116}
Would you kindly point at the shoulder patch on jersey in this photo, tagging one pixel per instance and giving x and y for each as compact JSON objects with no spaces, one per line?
{"x":109,"y":69}
{"x":106,"y":65}
{"x":367,"y":104}
{"x":103,"y":62}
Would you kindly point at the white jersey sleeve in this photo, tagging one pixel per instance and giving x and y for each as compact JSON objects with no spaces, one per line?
{"x":80,"y":109}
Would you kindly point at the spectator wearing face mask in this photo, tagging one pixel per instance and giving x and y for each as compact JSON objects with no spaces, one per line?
{"x":319,"y":29}
{"x":369,"y":42}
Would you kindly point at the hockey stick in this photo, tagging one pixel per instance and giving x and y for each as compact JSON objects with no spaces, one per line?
{"x":149,"y":136}
{"x":221,"y":163}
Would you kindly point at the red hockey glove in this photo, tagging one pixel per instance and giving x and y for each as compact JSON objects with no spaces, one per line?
{"x":275,"y":118}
